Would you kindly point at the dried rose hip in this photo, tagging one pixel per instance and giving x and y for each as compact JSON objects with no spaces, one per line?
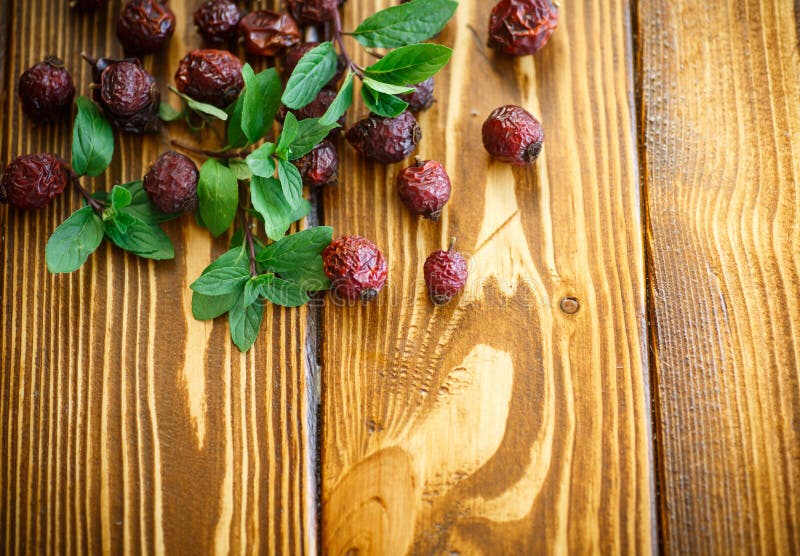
{"x":296,"y":52}
{"x":445,"y":275}
{"x":46,"y":91}
{"x":211,"y":76}
{"x":32,"y":180}
{"x":127,"y":94}
{"x":520,"y":27}
{"x":171,"y":183}
{"x":355,"y":267}
{"x":512,"y":134}
{"x":145,"y":26}
{"x":216,"y":20}
{"x":385,"y":140}
{"x":422,"y":97}
{"x":313,"y":12}
{"x":87,"y":5}
{"x":424,"y":187}
{"x":320,"y":166}
{"x":266,"y":33}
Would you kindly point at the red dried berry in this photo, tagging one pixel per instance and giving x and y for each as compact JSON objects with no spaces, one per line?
{"x":424,"y":187}
{"x":87,"y":5}
{"x":520,"y":27}
{"x":313,"y":12}
{"x":128,"y":95}
{"x":422,"y":97}
{"x":267,"y":33}
{"x":32,"y":180}
{"x":511,"y":134}
{"x":296,"y":52}
{"x":320,"y":166}
{"x":211,"y":76}
{"x":386,"y":140}
{"x":445,"y":275}
{"x":46,"y":91}
{"x":315,"y":109}
{"x":171,"y":183}
{"x":145,"y":26}
{"x":216,"y":20}
{"x":356,"y":268}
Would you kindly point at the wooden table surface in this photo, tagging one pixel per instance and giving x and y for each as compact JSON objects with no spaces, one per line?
{"x":663,"y":416}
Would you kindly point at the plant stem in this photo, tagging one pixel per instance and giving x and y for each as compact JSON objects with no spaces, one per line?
{"x":210,"y":153}
{"x":339,"y":37}
{"x":91,"y":201}
{"x":251,"y":247}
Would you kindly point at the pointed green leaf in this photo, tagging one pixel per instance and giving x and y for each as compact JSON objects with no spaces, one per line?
{"x":73,"y":241}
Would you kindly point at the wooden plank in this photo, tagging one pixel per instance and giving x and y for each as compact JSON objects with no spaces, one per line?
{"x":500,"y":424}
{"x":127,"y":425}
{"x":721,"y":129}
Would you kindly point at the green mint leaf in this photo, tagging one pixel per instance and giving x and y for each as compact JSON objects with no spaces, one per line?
{"x":221,"y":281}
{"x":316,"y":68}
{"x":240,"y":169}
{"x":309,"y":134}
{"x":387,"y":106}
{"x":236,"y":137}
{"x":260,"y":161}
{"x":288,"y":135}
{"x":202,"y":107}
{"x":409,"y":65}
{"x":168,"y":114}
{"x":340,"y":104}
{"x":138,"y":237}
{"x":244,"y":321}
{"x":141,"y":207}
{"x":120,"y":197}
{"x":218,"y":194}
{"x":261,"y":99}
{"x":310,"y":276}
{"x":387,"y":88}
{"x":297,"y":249}
{"x":405,"y":24}
{"x":92,"y":140}
{"x":73,"y":241}
{"x":236,"y":256}
{"x":291,"y":183}
{"x":284,"y":293}
{"x":268,"y":200}
{"x":207,"y":307}
{"x":253,"y":287}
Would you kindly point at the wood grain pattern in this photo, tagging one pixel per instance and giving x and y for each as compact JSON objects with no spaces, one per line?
{"x":721,"y":129}
{"x":127,"y":425}
{"x":500,"y":424}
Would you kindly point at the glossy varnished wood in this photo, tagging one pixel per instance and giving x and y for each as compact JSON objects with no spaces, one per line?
{"x":721,"y":133}
{"x":126,"y":424}
{"x":500,"y":424}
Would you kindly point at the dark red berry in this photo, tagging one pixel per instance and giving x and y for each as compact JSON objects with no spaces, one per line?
{"x":32,"y":180}
{"x":216,"y":20}
{"x":385,"y":140}
{"x":422,"y":97}
{"x":296,"y":52}
{"x":267,"y":33}
{"x":211,"y":76}
{"x":315,"y":109}
{"x":46,"y":91}
{"x":145,"y":26}
{"x":520,"y":27}
{"x":171,"y":183}
{"x":87,"y":5}
{"x":356,"y":268}
{"x":313,"y":12}
{"x":424,"y":187}
{"x":445,"y":275}
{"x":128,"y":95}
{"x":320,"y":166}
{"x":512,"y":134}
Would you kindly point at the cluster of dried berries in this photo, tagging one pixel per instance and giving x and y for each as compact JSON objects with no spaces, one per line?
{"x":520,"y":27}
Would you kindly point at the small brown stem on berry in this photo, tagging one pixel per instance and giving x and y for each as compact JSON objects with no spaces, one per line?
{"x":209,"y":153}
{"x":88,"y":58}
{"x":91,"y":201}
{"x":251,"y":247}
{"x":452,"y":244}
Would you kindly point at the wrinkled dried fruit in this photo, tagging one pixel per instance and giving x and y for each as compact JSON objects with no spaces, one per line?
{"x":312,"y":12}
{"x":320,"y":166}
{"x":512,"y":134}
{"x":385,"y":140}
{"x":424,"y":187}
{"x":210,"y":76}
{"x":87,"y":5}
{"x":294,"y":53}
{"x":128,"y":95}
{"x":520,"y":27}
{"x":267,"y":33}
{"x":145,"y":26}
{"x":46,"y":90}
{"x":445,"y":275}
{"x":32,"y":180}
{"x":355,"y":267}
{"x":216,"y":20}
{"x":422,"y":97}
{"x":171,"y":183}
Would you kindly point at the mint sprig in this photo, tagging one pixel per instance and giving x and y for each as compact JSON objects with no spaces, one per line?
{"x":405,"y":24}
